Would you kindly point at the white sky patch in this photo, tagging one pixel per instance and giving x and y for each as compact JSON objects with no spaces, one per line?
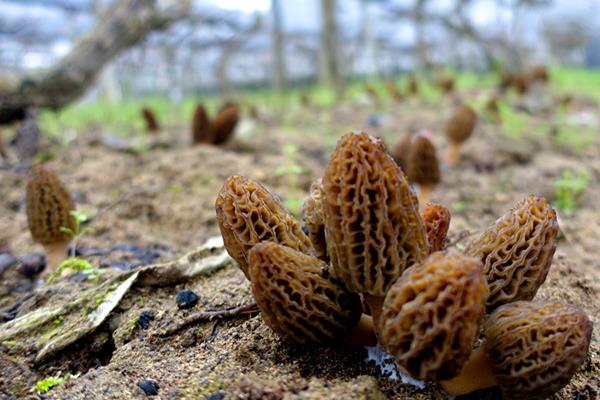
{"x":248,"y":6}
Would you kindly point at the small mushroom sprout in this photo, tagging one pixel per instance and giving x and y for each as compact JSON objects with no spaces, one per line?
{"x":422,"y":166}
{"x":458,"y":129}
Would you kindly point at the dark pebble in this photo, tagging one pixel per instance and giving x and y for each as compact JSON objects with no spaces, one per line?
{"x":31,"y":264}
{"x":186,"y":299}
{"x":216,"y":396}
{"x":144,"y":319}
{"x":6,"y":261}
{"x":149,"y":387}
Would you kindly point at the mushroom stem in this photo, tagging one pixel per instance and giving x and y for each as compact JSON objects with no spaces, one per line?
{"x":56,"y":253}
{"x":476,"y":374}
{"x":453,"y":153}
{"x":424,"y":194}
{"x":375,"y":306}
{"x":363,"y":333}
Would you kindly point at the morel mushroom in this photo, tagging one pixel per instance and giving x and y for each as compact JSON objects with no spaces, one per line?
{"x":201,"y":129}
{"x":372,"y":225}
{"x":445,"y":83}
{"x":437,"y":221}
{"x":49,"y":207}
{"x":298,"y":296}
{"x":247,"y":213}
{"x":531,"y":350}
{"x":432,"y":314}
{"x":224,"y":123}
{"x":458,"y":129}
{"x":517,"y":250}
{"x":314,"y":220}
{"x":413,"y":85}
{"x":152,"y":125}
{"x":401,"y":152}
{"x":539,"y":74}
{"x":393,"y":90}
{"x":423,"y":168}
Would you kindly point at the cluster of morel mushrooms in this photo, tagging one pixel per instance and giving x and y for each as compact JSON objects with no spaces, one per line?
{"x":368,"y":267}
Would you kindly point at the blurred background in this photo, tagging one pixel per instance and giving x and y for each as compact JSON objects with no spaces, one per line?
{"x":221,"y":46}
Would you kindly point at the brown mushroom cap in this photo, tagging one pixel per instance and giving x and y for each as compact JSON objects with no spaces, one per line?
{"x":372,"y":224}
{"x":539,"y":74}
{"x":536,"y":348}
{"x":48,"y":207}
{"x":422,"y":162}
{"x":517,"y":250}
{"x":298,"y":297}
{"x":432,"y":314}
{"x":393,"y":90}
{"x":460,"y":127}
{"x":437,"y":221}
{"x":150,"y":119}
{"x":445,"y":83}
{"x":413,"y":85}
{"x":314,"y":220}
{"x":201,"y":131}
{"x":224,"y":123}
{"x":401,"y":152}
{"x":247,"y":213}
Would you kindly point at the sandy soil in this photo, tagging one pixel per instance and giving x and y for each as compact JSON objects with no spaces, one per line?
{"x":164,"y":198}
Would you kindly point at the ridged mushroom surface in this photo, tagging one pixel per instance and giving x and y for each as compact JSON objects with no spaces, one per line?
{"x":372,"y":224}
{"x":248,"y":213}
{"x":536,"y":348}
{"x":298,"y":297}
{"x":48,"y":206}
{"x":437,"y":222}
{"x":432,"y":315}
{"x":517,"y":250}
{"x":314,"y":220}
{"x":422,"y":165}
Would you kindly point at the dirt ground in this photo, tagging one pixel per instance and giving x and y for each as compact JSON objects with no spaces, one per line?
{"x":163,"y":199}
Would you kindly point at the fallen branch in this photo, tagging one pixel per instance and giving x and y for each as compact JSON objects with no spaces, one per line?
{"x":209,"y":316}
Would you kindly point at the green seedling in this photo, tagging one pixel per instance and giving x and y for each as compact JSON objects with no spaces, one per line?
{"x":291,"y":170}
{"x":77,"y":232}
{"x":44,"y":385}
{"x":569,"y":189}
{"x":76,"y":264}
{"x":513,"y":123}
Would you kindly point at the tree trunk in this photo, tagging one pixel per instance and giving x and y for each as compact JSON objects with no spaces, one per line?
{"x":123,"y":25}
{"x":279,"y":77}
{"x":329,"y":48}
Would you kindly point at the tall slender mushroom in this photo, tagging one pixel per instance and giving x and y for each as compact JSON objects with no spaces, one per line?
{"x":49,"y":207}
{"x":372,"y":224}
{"x":422,"y":165}
{"x":458,"y":129}
{"x":201,"y":132}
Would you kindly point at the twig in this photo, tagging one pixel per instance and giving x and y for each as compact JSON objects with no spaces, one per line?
{"x":459,"y":238}
{"x":209,"y":316}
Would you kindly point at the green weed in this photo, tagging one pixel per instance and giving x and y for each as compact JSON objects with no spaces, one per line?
{"x":569,"y":189}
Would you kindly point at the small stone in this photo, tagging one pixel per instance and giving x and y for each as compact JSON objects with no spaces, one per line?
{"x":144,"y":319}
{"x":186,"y":299}
{"x":31,"y":264}
{"x":6,"y":261}
{"x":149,"y":387}
{"x":216,"y":396}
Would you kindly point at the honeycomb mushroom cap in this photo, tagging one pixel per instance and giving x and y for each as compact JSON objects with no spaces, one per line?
{"x":372,"y":224}
{"x":536,"y":348}
{"x":150,"y":119}
{"x":517,"y":250}
{"x":298,"y":297}
{"x":437,"y":221}
{"x":224,"y":123}
{"x":423,"y":167}
{"x":432,"y":315}
{"x":401,"y":152}
{"x":461,"y":125}
{"x":314,"y":220}
{"x":48,"y":207}
{"x":201,"y":130}
{"x":247,"y":213}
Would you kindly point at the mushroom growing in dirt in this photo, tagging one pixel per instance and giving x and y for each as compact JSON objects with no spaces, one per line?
{"x":401,"y":152}
{"x":247,"y":213}
{"x":201,"y":128}
{"x":531,"y":350}
{"x":432,"y":314}
{"x":517,"y":250}
{"x":372,"y":224}
{"x":437,"y":221}
{"x":458,"y":129}
{"x":224,"y":123}
{"x":298,"y":296}
{"x":314,"y":220}
{"x":422,"y":166}
{"x":49,"y":207}
{"x":152,"y":125}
